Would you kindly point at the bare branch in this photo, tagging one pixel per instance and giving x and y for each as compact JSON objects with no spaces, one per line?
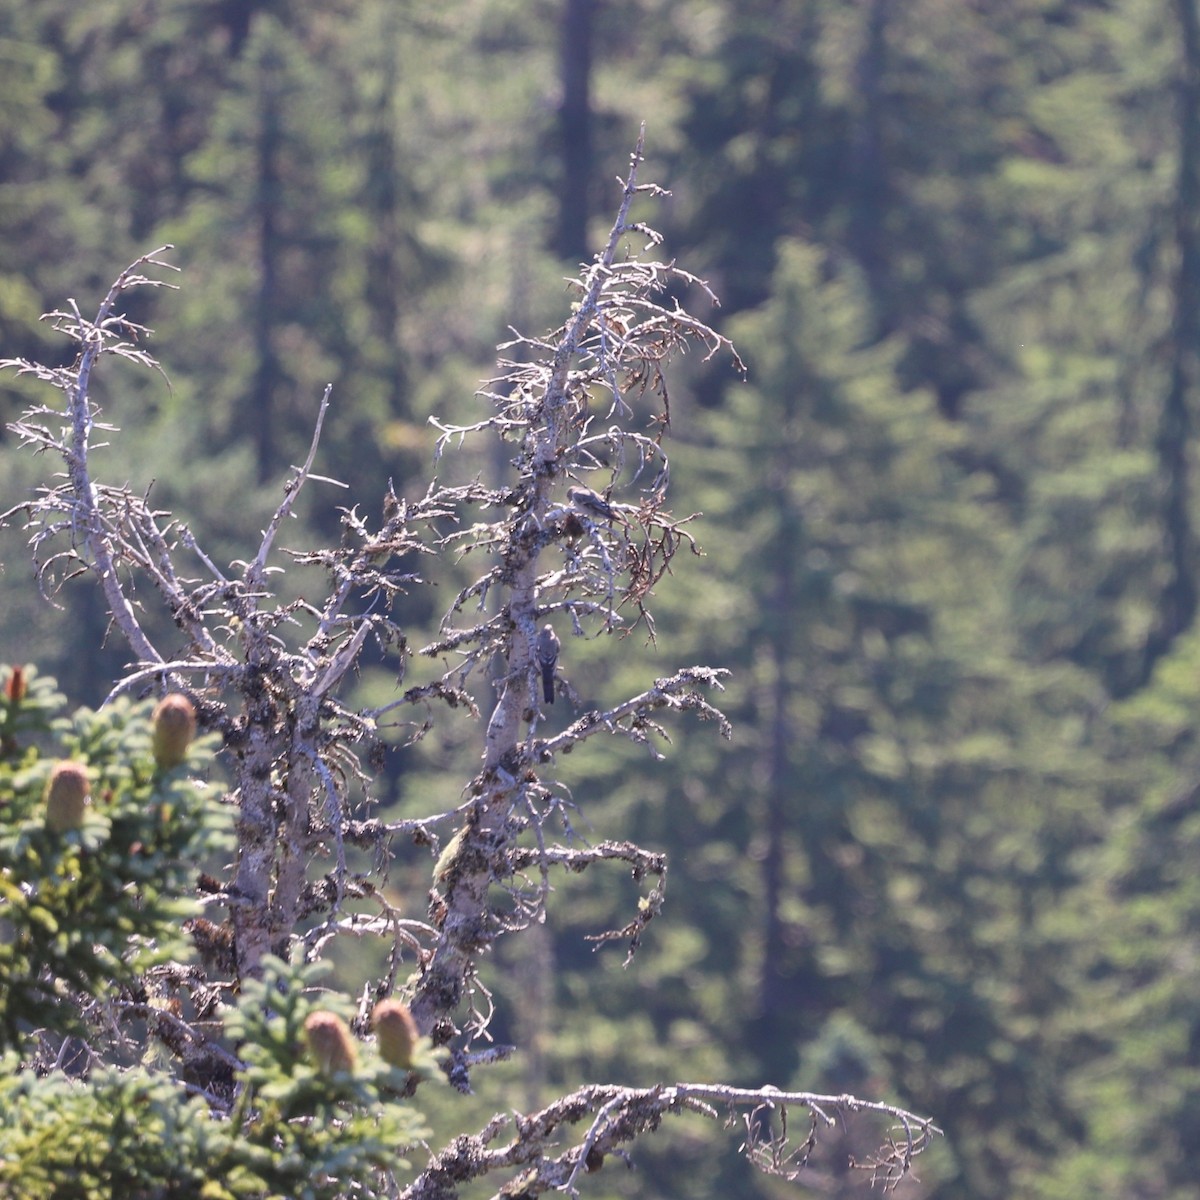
{"x":618,"y":1116}
{"x":255,"y":571}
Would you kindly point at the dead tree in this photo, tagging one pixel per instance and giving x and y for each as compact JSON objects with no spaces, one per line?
{"x":576,"y":539}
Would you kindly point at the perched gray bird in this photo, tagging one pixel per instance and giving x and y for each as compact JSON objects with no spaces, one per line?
{"x":591,"y":504}
{"x":546,"y":651}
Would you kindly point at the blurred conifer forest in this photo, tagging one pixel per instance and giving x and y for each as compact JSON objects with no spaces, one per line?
{"x":949,"y":521}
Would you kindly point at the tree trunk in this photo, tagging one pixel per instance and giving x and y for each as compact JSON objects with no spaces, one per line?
{"x":575,"y":128}
{"x":259,"y":411}
{"x":1177,"y":603}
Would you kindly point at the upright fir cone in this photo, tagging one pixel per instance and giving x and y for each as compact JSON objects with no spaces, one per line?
{"x":330,"y":1042}
{"x":67,"y":795}
{"x":397,"y":1032}
{"x":16,"y":686}
{"x":174,"y":728}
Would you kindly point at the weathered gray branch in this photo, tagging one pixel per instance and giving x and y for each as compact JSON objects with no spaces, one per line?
{"x":618,"y":1116}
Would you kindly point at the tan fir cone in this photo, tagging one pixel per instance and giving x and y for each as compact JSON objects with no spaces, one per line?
{"x":397,"y":1032}
{"x":330,"y":1042}
{"x":67,"y":795}
{"x":174,"y":728}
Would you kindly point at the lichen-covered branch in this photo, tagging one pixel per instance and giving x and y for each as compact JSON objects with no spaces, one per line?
{"x":533,"y":1156}
{"x":585,"y":534}
{"x":267,"y":673}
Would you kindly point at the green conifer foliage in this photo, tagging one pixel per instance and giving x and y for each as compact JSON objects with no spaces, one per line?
{"x":91,"y":894}
{"x":94,"y":913}
{"x":296,"y":1129}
